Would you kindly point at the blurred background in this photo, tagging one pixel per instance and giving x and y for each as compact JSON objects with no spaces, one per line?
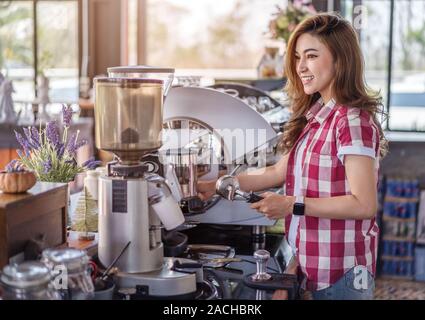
{"x":52,"y":50}
{"x":69,"y":40}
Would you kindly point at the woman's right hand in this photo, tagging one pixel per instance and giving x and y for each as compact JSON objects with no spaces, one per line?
{"x":206,"y":189}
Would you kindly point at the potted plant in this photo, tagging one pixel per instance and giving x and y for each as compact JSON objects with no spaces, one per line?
{"x":51,"y":157}
{"x":285,"y":20}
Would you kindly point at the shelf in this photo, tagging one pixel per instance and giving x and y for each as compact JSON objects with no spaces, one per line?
{"x":386,"y":217}
{"x":399,"y":239}
{"x":401,"y":199}
{"x":393,"y":258}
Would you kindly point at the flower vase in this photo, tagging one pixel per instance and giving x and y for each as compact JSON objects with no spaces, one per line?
{"x":70,"y":204}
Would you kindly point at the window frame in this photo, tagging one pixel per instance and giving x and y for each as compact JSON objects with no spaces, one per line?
{"x":35,"y":38}
{"x":389,"y":69}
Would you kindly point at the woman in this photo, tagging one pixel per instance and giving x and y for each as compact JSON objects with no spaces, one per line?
{"x":333,"y":142}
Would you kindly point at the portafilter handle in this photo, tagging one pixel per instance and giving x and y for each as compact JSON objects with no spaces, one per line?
{"x":261,"y":258}
{"x":249,"y":197}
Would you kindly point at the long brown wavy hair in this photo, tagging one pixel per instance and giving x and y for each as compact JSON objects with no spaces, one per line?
{"x":349,"y":86}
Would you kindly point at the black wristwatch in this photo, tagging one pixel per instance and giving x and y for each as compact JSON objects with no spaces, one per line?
{"x":299,"y":206}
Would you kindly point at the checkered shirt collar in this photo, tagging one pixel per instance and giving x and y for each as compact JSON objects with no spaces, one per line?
{"x":320,"y":111}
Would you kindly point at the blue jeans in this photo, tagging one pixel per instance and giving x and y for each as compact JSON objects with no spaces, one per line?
{"x":347,"y":288}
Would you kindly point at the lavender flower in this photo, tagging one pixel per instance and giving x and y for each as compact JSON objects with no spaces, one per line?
{"x":70,"y":145}
{"x":19,"y":167}
{"x":74,"y":145}
{"x":10,"y":166}
{"x":52,"y":133}
{"x":14,"y":166}
{"x":35,"y":136}
{"x":80,"y":144}
{"x":47,"y":166}
{"x":34,"y":144}
{"x":66,"y":115}
{"x":23,"y":142}
{"x":61,"y":151}
{"x":27,"y":135}
{"x":91,"y":163}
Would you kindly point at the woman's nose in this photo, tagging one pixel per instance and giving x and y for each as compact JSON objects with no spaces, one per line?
{"x":301,"y":65}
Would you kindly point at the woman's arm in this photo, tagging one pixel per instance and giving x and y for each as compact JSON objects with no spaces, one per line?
{"x":361,"y":204}
{"x":260,"y":179}
{"x":264,"y":178}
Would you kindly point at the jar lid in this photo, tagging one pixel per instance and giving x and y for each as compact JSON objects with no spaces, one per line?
{"x":129,"y":82}
{"x":25,"y":275}
{"x":74,"y":260}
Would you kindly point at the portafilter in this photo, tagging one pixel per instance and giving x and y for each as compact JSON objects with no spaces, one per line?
{"x":227,"y":186}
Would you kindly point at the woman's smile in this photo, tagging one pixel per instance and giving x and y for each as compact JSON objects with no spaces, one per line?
{"x":306,"y":80}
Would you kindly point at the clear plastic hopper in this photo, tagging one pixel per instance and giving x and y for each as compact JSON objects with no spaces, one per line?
{"x":129,"y":110}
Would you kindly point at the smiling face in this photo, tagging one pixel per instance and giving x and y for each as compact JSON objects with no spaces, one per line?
{"x":315,"y":66}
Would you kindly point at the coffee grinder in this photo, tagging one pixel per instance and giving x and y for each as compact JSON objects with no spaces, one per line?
{"x":134,"y":204}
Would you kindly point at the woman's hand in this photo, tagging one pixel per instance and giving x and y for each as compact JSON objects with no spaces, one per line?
{"x":206,"y":189}
{"x":274,"y":206}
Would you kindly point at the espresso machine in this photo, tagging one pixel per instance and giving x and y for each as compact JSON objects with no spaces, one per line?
{"x":134,"y":203}
{"x":229,"y":137}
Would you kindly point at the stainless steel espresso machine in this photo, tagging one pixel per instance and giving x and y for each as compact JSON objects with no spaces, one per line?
{"x":134,"y":204}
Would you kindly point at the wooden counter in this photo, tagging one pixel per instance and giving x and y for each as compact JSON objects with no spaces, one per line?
{"x":89,"y":245}
{"x":42,"y":211}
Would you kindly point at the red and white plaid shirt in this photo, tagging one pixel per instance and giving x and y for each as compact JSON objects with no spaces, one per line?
{"x":327,"y":248}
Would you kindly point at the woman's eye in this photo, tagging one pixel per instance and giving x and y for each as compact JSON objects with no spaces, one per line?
{"x":310,"y":56}
{"x":297,"y":57}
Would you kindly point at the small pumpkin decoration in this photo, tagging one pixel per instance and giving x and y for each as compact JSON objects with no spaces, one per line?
{"x":15,"y":179}
{"x":16,"y":182}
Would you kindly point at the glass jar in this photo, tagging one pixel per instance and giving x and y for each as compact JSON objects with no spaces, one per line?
{"x":71,"y":275}
{"x":27,"y":281}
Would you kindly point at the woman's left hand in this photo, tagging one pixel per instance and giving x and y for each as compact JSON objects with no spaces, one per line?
{"x":274,"y":206}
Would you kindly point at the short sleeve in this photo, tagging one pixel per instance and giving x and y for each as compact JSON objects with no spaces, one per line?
{"x":356,"y":134}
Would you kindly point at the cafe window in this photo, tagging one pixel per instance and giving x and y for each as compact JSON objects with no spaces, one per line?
{"x":392,"y":36}
{"x":40,"y":37}
{"x":205,"y":38}
{"x":407,"y":104}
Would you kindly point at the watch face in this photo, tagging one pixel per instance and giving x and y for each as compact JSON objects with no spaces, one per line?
{"x":299,"y":209}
